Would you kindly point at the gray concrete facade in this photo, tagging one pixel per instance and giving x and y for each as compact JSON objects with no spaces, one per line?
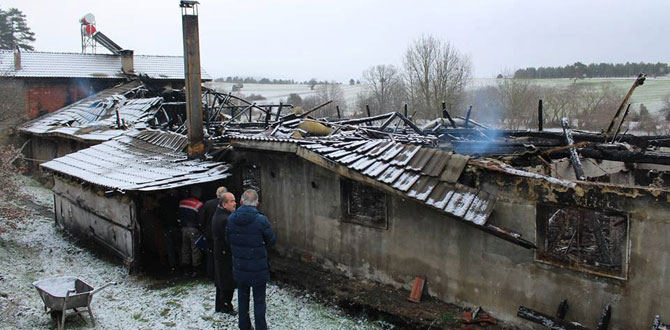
{"x":465,"y":265}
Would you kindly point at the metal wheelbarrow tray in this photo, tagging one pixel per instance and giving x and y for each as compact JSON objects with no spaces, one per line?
{"x":60,"y":294}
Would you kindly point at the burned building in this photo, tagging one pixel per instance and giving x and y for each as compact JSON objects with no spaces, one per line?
{"x":490,"y":217}
{"x":515,"y":221}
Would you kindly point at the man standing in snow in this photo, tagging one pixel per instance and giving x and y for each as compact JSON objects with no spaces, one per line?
{"x":205,"y":216}
{"x":223,"y":261}
{"x":249,"y":234}
{"x":188,"y":220}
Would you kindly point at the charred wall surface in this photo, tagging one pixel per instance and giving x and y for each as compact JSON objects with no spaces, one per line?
{"x":307,"y":207}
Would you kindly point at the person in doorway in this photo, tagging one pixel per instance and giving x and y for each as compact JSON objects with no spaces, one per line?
{"x":205,"y":216}
{"x":168,"y":212}
{"x":250,"y":235}
{"x":188,"y":220}
{"x":223,"y":261}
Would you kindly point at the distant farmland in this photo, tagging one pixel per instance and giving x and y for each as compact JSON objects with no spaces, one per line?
{"x":651,"y":94}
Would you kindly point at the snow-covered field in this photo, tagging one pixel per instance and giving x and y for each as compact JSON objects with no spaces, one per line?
{"x":274,"y":93}
{"x":39,"y":250}
{"x":651,"y":93}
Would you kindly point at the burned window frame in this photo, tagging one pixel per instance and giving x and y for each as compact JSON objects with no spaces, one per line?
{"x":543,"y":214}
{"x":256,"y":177}
{"x":346,"y":186}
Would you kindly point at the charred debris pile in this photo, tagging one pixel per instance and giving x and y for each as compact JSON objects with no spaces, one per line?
{"x":608,"y":156}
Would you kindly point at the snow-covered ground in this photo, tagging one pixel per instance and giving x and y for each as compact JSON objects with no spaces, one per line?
{"x":38,"y":250}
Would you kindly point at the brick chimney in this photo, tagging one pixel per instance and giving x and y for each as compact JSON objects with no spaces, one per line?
{"x":17,"y":58}
{"x":127,"y":65}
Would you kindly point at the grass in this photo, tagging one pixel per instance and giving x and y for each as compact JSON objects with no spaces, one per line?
{"x":165,"y":312}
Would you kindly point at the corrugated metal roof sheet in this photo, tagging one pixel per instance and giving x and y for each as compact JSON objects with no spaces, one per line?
{"x":76,"y":65}
{"x":94,"y":118}
{"x":139,"y":160}
{"x":425,"y":174}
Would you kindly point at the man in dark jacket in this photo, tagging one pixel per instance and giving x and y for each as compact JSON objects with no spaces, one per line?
{"x":223,"y":261}
{"x":205,"y":216}
{"x":249,"y":234}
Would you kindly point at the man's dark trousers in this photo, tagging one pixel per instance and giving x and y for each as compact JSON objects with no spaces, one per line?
{"x":224,"y":300}
{"x":259,"y":307}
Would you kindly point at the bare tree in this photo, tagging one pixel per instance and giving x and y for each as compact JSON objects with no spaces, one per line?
{"x":383,"y":81}
{"x":324,"y":93}
{"x":436,"y":72}
{"x":518,"y":102}
{"x":665,"y":108}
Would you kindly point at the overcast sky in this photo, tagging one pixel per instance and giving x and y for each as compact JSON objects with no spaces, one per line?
{"x":337,"y":40}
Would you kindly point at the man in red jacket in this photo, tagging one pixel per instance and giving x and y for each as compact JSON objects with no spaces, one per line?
{"x":188,"y":220}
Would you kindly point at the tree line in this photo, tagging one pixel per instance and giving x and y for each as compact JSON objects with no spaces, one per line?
{"x":252,"y":80}
{"x":594,"y":70}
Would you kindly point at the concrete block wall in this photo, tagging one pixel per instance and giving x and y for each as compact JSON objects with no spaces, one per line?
{"x":463,"y":264}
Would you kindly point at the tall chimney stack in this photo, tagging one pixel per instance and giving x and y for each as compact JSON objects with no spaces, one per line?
{"x":189,"y":20}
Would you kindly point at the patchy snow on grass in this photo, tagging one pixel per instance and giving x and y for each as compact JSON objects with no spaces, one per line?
{"x":39,"y":250}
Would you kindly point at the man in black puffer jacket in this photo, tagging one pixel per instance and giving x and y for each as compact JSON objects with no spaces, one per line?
{"x":249,"y":234}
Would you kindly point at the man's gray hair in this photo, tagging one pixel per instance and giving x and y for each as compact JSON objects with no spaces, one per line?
{"x":220,"y":191}
{"x":250,"y":197}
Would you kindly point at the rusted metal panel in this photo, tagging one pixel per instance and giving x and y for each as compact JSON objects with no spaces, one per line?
{"x":437,"y":163}
{"x":422,"y":188}
{"x":405,"y":156}
{"x":421,"y":158}
{"x":406,"y":181}
{"x":454,"y":168}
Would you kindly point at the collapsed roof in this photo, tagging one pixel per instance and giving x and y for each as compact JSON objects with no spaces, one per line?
{"x":389,"y":151}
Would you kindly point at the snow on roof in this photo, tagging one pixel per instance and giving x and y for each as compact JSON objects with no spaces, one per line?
{"x":139,"y":160}
{"x":92,"y":66}
{"x":93,"y":118}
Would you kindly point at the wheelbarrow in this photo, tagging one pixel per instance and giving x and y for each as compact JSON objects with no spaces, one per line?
{"x":60,"y":294}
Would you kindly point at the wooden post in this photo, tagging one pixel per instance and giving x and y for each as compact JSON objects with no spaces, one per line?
{"x":337,"y":107}
{"x":406,"y":110}
{"x":540,"y":120}
{"x":625,"y":114}
{"x":281,"y":105}
{"x":267,"y":116}
{"x":367,"y":107}
{"x":445,"y":114}
{"x":467,"y":117}
{"x":638,"y":82}
{"x":574,"y":158}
